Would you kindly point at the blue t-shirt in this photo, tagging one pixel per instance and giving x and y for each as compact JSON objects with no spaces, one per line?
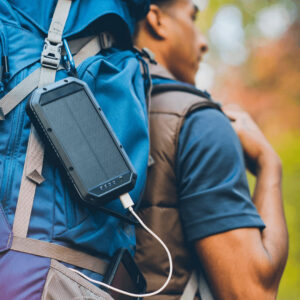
{"x":213,"y":188}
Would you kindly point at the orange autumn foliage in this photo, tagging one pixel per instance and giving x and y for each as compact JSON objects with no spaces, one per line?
{"x":268,"y":85}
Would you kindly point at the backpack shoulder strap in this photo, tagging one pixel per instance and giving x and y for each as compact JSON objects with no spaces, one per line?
{"x":34,"y":159}
{"x":197,"y":282}
{"x":32,"y":173}
{"x":169,"y":86}
{"x":165,"y":90}
{"x":191,"y":288}
{"x":204,"y":290}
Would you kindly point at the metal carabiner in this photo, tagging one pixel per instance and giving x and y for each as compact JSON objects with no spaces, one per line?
{"x":68,"y":61}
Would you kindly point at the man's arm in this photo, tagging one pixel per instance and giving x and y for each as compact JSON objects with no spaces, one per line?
{"x":247,"y":263}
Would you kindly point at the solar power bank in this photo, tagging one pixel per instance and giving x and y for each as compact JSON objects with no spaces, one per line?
{"x":71,"y":123}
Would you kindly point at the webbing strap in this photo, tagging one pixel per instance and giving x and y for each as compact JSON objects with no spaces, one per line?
{"x":59,"y":20}
{"x":61,"y":253}
{"x":204,"y":290}
{"x":35,"y":149}
{"x":34,"y":157}
{"x":53,"y":43}
{"x":27,"y":188}
{"x":197,"y":282}
{"x":90,"y":49}
{"x":35,"y":153}
{"x":20,"y":92}
{"x":77,"y":44}
{"x":30,"y":83}
{"x":191,"y":288}
{"x":46,"y":76}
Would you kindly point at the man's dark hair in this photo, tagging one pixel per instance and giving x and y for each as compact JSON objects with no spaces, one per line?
{"x":162,"y":2}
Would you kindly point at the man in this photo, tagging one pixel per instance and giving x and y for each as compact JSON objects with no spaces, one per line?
{"x":199,"y":172}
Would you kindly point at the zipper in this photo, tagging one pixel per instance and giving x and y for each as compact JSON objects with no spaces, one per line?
{"x":11,"y":154}
{"x":4,"y":74}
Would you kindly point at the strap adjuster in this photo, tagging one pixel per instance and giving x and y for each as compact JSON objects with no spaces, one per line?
{"x":106,"y":40}
{"x":51,"y":55}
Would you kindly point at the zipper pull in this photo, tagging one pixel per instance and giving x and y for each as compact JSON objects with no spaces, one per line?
{"x":4,"y":72}
{"x":5,"y":67}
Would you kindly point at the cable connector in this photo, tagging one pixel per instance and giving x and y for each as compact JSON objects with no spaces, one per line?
{"x":126,"y":201}
{"x":127,"y":204}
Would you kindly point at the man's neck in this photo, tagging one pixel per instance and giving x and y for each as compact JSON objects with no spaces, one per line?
{"x":156,"y":47}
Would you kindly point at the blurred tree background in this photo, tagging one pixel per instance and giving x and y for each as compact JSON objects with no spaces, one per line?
{"x":254,"y":60}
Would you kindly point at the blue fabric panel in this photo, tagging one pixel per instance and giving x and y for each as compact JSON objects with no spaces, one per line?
{"x":24,"y":48}
{"x":83,"y":12}
{"x":5,"y":232}
{"x":22,"y":276}
{"x":111,"y":81}
{"x":58,"y":215}
{"x":7,"y":13}
{"x":213,"y":188}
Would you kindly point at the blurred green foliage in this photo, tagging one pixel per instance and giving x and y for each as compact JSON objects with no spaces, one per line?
{"x":289,"y":149}
{"x":249,"y":9}
{"x":282,"y":91}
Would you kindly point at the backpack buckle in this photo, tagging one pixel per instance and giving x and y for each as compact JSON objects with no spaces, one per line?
{"x":51,"y":55}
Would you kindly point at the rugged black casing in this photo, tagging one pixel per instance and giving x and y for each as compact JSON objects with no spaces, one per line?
{"x":70,"y":122}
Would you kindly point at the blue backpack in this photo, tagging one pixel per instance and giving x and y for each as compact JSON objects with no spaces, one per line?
{"x":39,"y":240}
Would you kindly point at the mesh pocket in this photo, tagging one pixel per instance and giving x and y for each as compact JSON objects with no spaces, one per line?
{"x":63,"y":284}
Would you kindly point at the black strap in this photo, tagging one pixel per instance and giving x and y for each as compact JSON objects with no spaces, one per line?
{"x":185,"y":88}
{"x":170,"y":87}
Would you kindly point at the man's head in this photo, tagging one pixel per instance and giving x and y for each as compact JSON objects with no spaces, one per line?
{"x":170,"y":33}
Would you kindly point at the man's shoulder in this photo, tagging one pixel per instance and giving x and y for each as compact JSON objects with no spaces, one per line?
{"x":176,"y":102}
{"x":209,"y":126}
{"x":209,"y":133}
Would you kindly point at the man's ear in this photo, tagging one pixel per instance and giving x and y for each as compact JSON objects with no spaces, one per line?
{"x":156,"y":22}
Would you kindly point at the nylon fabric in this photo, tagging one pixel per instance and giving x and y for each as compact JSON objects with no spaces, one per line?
{"x":159,"y":206}
{"x":5,"y":232}
{"x":62,"y":284}
{"x":59,"y":19}
{"x":35,"y":154}
{"x":191,"y":288}
{"x":61,"y":253}
{"x":77,"y":44}
{"x":90,"y":49}
{"x":27,"y":188}
{"x":204,"y":289}
{"x":82,"y":14}
{"x":196,"y":282}
{"x":22,"y":275}
{"x":71,"y":219}
{"x":85,"y":47}
{"x":46,"y":76}
{"x":114,"y":76}
{"x":57,"y":215}
{"x":32,"y":174}
{"x":19,"y":93}
{"x":33,"y":168}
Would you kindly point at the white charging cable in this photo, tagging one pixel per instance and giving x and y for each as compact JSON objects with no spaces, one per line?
{"x":127,"y":204}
